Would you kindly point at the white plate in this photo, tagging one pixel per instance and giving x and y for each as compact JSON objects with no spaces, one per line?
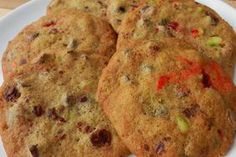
{"x":11,"y":24}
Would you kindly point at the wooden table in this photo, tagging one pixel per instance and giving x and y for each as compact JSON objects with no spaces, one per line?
{"x":8,"y":5}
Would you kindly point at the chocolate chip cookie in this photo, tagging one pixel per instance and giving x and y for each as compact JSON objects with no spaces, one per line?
{"x":68,"y":30}
{"x":48,"y":109}
{"x":165,"y":99}
{"x":95,"y":7}
{"x":186,"y":20}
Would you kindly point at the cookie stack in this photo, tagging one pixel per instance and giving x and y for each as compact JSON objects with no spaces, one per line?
{"x":162,"y":89}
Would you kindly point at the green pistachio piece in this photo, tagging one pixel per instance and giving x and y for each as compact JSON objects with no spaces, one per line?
{"x":182,"y":124}
{"x":200,"y":9}
{"x":214,"y":41}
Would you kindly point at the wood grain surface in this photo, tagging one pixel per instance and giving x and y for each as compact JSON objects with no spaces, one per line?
{"x":8,"y":5}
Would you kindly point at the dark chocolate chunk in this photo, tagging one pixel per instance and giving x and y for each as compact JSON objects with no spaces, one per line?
{"x":206,"y":81}
{"x":101,"y":138}
{"x":121,"y":9}
{"x":191,"y":111}
{"x":38,"y":110}
{"x":11,"y":94}
{"x":71,"y":100}
{"x":34,"y":150}
{"x":83,"y":99}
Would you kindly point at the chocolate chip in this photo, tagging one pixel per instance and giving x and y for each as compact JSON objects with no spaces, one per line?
{"x":146,"y":147}
{"x":121,"y":9}
{"x":61,"y":72}
{"x":11,"y":94}
{"x":160,"y":148}
{"x":34,"y":151}
{"x":52,"y":113}
{"x":71,"y":100}
{"x":191,"y":111}
{"x":206,"y":81}
{"x":38,"y":110}
{"x":101,"y":138}
{"x":83,"y":99}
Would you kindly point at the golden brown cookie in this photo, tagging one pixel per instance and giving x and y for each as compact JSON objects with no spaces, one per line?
{"x":186,"y":20}
{"x":69,"y":30}
{"x":48,"y":109}
{"x":165,"y":99}
{"x":95,"y":7}
{"x":118,"y":9}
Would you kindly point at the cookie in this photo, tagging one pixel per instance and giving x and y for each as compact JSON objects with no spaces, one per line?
{"x":95,"y":7}
{"x":48,"y":109}
{"x":164,"y":97}
{"x":69,"y":30}
{"x":186,"y":20}
{"x":118,"y":9}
